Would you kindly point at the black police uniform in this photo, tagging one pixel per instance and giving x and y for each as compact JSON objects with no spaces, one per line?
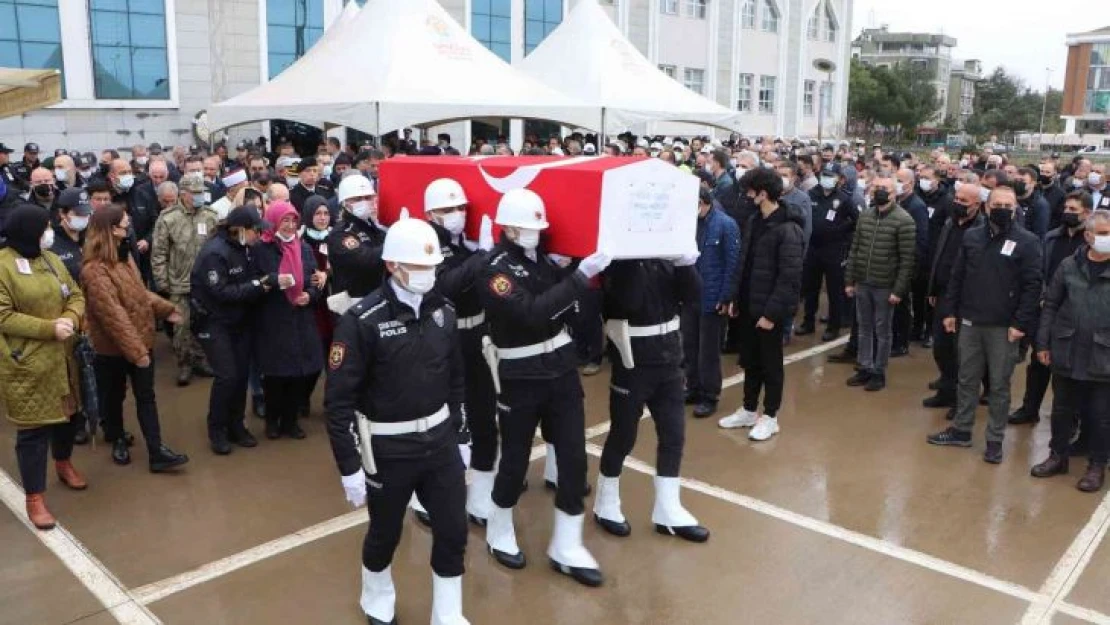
{"x":141,"y":201}
{"x":834,"y":221}
{"x":222,"y":287}
{"x":529,"y":302}
{"x":648,"y":293}
{"x":457,"y":279}
{"x":69,"y":251}
{"x":392,"y":365}
{"x":355,"y":252}
{"x":300,"y":193}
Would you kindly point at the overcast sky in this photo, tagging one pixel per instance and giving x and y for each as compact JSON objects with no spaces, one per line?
{"x":1023,"y":36}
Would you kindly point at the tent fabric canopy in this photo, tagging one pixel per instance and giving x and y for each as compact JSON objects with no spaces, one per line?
{"x":23,"y":90}
{"x":588,"y":57}
{"x":400,"y":63}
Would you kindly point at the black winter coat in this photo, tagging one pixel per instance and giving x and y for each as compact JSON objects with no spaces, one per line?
{"x":223,"y":285}
{"x":1075,"y":321}
{"x":771,"y":265}
{"x":647,"y":293}
{"x":286,"y":341}
{"x":997,"y":279}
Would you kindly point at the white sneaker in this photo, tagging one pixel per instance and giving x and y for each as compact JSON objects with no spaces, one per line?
{"x":764,"y":429}
{"x":739,"y":419}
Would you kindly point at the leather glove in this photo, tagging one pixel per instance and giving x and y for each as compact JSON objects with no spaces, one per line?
{"x":485,"y":234}
{"x":594,"y":264}
{"x":687,"y":260}
{"x":354,"y":486}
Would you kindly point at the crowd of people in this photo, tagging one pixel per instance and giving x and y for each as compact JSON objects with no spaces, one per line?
{"x":443,"y":350}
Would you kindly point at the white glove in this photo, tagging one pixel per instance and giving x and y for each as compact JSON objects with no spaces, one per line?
{"x":686,"y":260}
{"x":594,"y":264}
{"x":560,"y":260}
{"x":404,"y":213}
{"x":354,"y":485}
{"x":464,"y":451}
{"x":485,"y":234}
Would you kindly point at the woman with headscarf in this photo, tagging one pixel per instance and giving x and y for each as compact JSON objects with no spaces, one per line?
{"x":121,"y":315}
{"x":41,"y":307}
{"x":318,"y":218}
{"x":287,"y":345}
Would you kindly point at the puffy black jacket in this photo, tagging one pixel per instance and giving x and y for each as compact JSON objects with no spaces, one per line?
{"x":938,"y":206}
{"x":286,"y":341}
{"x":1075,"y":321}
{"x":771,"y":265}
{"x":648,"y":293}
{"x":996,"y":280}
{"x":944,"y":256}
{"x":355,"y":252}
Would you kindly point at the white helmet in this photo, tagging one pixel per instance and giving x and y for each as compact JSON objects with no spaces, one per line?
{"x":521,"y":208}
{"x":443,"y":193}
{"x":354,"y":186}
{"x":412,"y":241}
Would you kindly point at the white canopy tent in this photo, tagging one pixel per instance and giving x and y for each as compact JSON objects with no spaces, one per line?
{"x":400,"y":63}
{"x":588,"y":57}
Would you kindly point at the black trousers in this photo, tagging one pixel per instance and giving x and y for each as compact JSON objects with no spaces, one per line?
{"x":1037,"y":379}
{"x":761,"y":359}
{"x":827,"y":265}
{"x":947,"y":359}
{"x":112,"y":375}
{"x":922,"y":311}
{"x":1090,"y":399}
{"x":284,"y":398}
{"x":902,"y":327}
{"x":228,"y":351}
{"x":588,"y":328}
{"x":660,"y":389}
{"x":439,"y":481}
{"x":555,"y":405}
{"x":30,"y":452}
{"x":481,"y":401}
{"x":701,"y":346}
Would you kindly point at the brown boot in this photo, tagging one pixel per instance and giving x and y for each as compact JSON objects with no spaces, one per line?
{"x":69,"y":475}
{"x":1091,"y":482}
{"x":1056,"y":464}
{"x":38,"y":514}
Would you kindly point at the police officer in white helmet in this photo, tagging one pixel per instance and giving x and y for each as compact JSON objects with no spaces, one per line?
{"x":395,"y":389}
{"x":355,"y":244}
{"x":528,"y":299}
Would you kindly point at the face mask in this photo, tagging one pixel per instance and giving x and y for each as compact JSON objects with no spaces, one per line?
{"x":317,"y":235}
{"x":1094,"y":179}
{"x":882,"y":197}
{"x":1002,"y":217}
{"x":898,"y":188}
{"x":60,"y":175}
{"x":361,"y":210}
{"x":420,"y":281}
{"x":1076,"y":182}
{"x":125,"y":182}
{"x":984,"y":194}
{"x":1047,"y":180}
{"x":528,"y":238}
{"x":1020,"y":188}
{"x":43,"y":190}
{"x":86,"y":173}
{"x":786,"y":183}
{"x":78,"y":223}
{"x":1071,"y":220}
{"x":285,"y":238}
{"x":926,"y":185}
{"x":47,"y":240}
{"x":454,"y":222}
{"x":961,"y":211}
{"x":733,"y":162}
{"x":708,"y":168}
{"x":291,"y":182}
{"x":143,"y":160}
{"x":740,"y":171}
{"x":1102,"y":244}
{"x":327,"y":171}
{"x":828,"y":183}
{"x":198,"y":200}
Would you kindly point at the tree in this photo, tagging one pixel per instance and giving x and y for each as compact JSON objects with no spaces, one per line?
{"x":1005,"y":105}
{"x":898,"y":99}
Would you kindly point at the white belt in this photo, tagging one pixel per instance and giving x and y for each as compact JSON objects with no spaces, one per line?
{"x":422,"y":424}
{"x":546,"y":347}
{"x":658,"y":329}
{"x":469,"y":323}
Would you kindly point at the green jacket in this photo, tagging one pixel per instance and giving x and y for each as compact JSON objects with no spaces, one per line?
{"x":882,"y":253}
{"x":40,"y":377}
{"x":179,"y":234}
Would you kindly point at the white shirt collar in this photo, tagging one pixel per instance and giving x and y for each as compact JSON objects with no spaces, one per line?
{"x":407,"y":297}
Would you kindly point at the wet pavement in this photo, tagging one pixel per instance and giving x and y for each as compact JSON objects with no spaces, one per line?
{"x":846,"y":517}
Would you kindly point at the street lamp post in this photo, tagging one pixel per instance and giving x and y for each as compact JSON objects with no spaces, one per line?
{"x":828,"y":67}
{"x":1044,"y":104}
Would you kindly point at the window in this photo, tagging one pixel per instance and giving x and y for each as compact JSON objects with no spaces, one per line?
{"x":807,"y":98}
{"x":812,"y":27}
{"x":767,"y":94}
{"x":30,"y":37}
{"x":770,"y":17}
{"x":129,"y":55}
{"x":822,"y":23}
{"x":831,"y":27}
{"x":694,"y":8}
{"x":1097,"y":99}
{"x":292,"y":27}
{"x":670,"y":7}
{"x":694,"y":79}
{"x":744,"y":100}
{"x":669,"y":70}
{"x":747,"y":14}
{"x":540,"y":18}
{"x":491,"y":23}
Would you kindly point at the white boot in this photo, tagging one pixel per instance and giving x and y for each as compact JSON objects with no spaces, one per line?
{"x":447,"y":601}
{"x":670,"y":517}
{"x":421,"y":513}
{"x":478,"y":496}
{"x":567,"y":553}
{"x":550,"y":468}
{"x":379,"y":597}
{"x":501,"y":537}
{"x":607,"y":506}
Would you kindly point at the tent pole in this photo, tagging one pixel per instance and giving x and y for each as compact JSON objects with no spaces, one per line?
{"x":378,"y":122}
{"x":601,"y":134}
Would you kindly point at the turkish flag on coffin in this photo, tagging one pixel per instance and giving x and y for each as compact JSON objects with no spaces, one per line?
{"x":629,"y":207}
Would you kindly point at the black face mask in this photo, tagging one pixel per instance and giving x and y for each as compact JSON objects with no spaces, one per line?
{"x":1002,"y":217}
{"x":1071,"y":220}
{"x":1019,"y":188}
{"x":960,"y":211}
{"x":43,"y":190}
{"x":1047,"y":180}
{"x":882,"y":197}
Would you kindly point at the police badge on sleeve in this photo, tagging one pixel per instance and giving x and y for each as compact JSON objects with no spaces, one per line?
{"x":213,"y":278}
{"x":437,"y":317}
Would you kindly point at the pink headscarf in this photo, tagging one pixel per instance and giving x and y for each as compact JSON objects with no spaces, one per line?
{"x":291,"y":251}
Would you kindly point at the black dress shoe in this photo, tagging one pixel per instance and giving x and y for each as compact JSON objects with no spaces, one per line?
{"x":81,"y":437}
{"x":692,"y":533}
{"x":552,"y":486}
{"x":935,"y":385}
{"x":127,"y":437}
{"x":927,"y":342}
{"x":940,"y":400}
{"x":164,"y":459}
{"x":203,"y":371}
{"x":273,"y":430}
{"x":512,"y":561}
{"x":184,"y":377}
{"x":993,"y":454}
{"x":898,"y":352}
{"x":1056,"y":464}
{"x":829,"y":335}
{"x":121,"y":453}
{"x":258,"y":406}
{"x":1022,"y":417}
{"x":705,"y":409}
{"x":692,"y":398}
{"x":221,"y":447}
{"x":373,"y":621}
{"x":861,"y":378}
{"x":804,"y":329}
{"x":294,"y":431}
{"x":424,"y":518}
{"x":586,"y":577}
{"x":876,"y":382}
{"x":243,"y":439}
{"x":823,"y":319}
{"x":615,"y":528}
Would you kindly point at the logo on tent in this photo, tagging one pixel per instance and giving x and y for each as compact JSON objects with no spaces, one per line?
{"x":438,"y":27}
{"x":445,"y":42}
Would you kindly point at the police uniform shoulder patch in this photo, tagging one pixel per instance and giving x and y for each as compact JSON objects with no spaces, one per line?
{"x":350,"y":242}
{"x":501,"y":285}
{"x":437,"y":316}
{"x":213,"y":278}
{"x":335,"y":355}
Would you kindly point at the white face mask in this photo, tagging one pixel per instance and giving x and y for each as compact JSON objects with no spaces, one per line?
{"x":60,"y":174}
{"x":984,"y":194}
{"x":199,"y":199}
{"x":1094,"y":179}
{"x":126,"y":181}
{"x":291,"y":182}
{"x":78,"y":223}
{"x":786,"y":183}
{"x":528,"y":238}
{"x":926,"y":185}
{"x":86,"y":174}
{"x":828,"y":183}
{"x":898,"y":188}
{"x":419,"y":281}
{"x":285,"y":238}
{"x":454,"y":222}
{"x":327,"y":171}
{"x":317,"y":235}
{"x":47,"y":240}
{"x":362,"y":210}
{"x":1076,"y":182}
{"x":143,"y":160}
{"x":1102,"y":244}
